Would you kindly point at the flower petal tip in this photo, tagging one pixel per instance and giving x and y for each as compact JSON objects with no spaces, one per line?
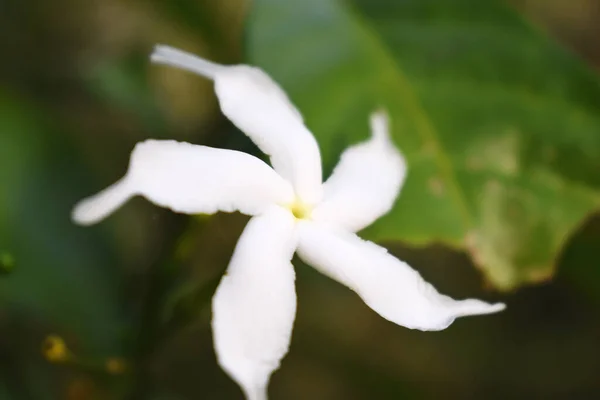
{"x":478,"y":307}
{"x":95,"y":208}
{"x":497,"y":307}
{"x":157,"y":55}
{"x":81,"y":214}
{"x":380,"y":112}
{"x":168,"y":55}
{"x":380,"y":124}
{"x":255,"y":392}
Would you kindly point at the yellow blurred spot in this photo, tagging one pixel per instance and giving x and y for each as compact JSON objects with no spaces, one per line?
{"x":116,"y":365}
{"x":55,"y":350}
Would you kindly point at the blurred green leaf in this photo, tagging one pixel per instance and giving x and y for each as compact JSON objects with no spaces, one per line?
{"x":122,"y":85}
{"x":7,"y":262}
{"x":216,"y":24}
{"x":65,"y":280}
{"x":500,"y":126}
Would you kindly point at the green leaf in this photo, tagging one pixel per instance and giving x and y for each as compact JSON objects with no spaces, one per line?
{"x":61,"y":278}
{"x":499,"y":125}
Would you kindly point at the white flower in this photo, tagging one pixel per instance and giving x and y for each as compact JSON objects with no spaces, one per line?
{"x":255,"y":303}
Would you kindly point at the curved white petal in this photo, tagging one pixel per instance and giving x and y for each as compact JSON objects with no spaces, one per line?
{"x":255,"y":304}
{"x":387,"y":285}
{"x":190,"y":179}
{"x":261,"y":109}
{"x":365,"y":183}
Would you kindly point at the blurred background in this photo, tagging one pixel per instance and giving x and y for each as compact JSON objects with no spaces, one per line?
{"x":121,"y":310}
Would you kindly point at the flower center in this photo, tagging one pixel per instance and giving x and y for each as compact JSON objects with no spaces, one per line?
{"x":300,"y":210}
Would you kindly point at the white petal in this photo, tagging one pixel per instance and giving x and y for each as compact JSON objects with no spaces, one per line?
{"x":387,"y":285}
{"x":190,"y":179}
{"x":261,"y":109}
{"x":365,"y":183}
{"x":255,"y":304}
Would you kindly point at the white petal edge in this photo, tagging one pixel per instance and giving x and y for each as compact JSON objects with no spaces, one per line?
{"x":190,"y":179}
{"x":366,"y":181}
{"x":389,"y":286}
{"x":262,"y":110}
{"x":255,"y":304}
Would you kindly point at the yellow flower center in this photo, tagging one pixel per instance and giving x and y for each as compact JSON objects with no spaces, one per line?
{"x":300,"y":210}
